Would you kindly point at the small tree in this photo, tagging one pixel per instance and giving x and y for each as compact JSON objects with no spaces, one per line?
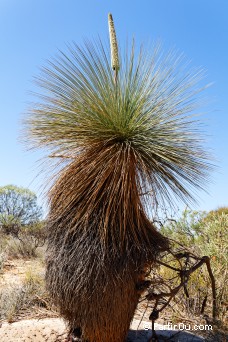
{"x":18,"y":209}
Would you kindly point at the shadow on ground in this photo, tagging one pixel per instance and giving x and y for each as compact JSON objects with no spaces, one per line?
{"x":163,"y":335}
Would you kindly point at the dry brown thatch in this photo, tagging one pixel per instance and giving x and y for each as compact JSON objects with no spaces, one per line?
{"x":96,"y":255}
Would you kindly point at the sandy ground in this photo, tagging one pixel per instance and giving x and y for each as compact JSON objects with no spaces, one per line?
{"x":15,"y":271}
{"x":33,"y":330}
{"x":53,"y":330}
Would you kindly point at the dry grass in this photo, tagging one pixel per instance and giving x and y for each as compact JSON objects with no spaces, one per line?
{"x":22,"y":291}
{"x":2,"y":261}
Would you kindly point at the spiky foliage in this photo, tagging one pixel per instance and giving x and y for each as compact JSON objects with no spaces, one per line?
{"x":118,"y":139}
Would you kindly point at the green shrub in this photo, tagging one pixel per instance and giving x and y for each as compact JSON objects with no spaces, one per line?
{"x":18,"y":208}
{"x":205,"y":234}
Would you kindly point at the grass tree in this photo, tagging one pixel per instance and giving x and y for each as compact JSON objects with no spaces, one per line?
{"x":124,"y":139}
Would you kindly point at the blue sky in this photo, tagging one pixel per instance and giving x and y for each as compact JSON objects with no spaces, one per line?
{"x":33,"y":31}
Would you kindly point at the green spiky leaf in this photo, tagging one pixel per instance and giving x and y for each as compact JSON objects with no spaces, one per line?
{"x":149,"y":111}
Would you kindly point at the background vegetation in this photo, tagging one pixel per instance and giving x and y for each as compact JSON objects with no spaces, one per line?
{"x":202,"y":233}
{"x":21,"y":225}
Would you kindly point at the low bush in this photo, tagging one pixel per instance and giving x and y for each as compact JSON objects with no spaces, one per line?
{"x":205,"y":234}
{"x":17,"y":249}
{"x":27,"y":243}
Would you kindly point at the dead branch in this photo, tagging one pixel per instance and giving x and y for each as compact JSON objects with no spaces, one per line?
{"x":184,"y":263}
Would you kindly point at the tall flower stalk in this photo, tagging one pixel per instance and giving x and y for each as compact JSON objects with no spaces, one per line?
{"x":123,"y":146}
{"x":113,"y":46}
